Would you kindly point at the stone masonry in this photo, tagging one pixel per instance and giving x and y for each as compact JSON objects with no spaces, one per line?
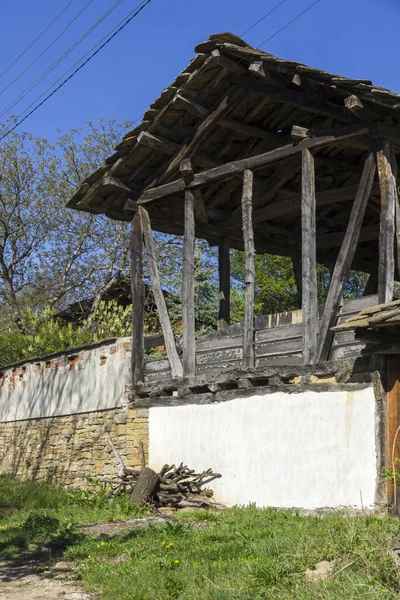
{"x":67,"y":449}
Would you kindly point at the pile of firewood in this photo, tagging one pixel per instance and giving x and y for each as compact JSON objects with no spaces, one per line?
{"x":175,"y":487}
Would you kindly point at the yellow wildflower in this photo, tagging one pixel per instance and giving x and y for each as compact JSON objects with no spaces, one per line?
{"x":176,"y":562}
{"x":89,"y":556}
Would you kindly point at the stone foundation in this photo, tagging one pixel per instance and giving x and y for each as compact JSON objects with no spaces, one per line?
{"x":67,"y":449}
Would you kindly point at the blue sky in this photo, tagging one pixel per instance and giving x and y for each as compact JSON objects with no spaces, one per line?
{"x":357,"y":38}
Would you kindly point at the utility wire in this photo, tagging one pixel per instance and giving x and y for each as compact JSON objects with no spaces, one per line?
{"x":36,"y":39}
{"x":52,"y":67}
{"x":35,"y":83}
{"x":107,"y":41}
{"x":289,"y":23}
{"x":47,"y":48}
{"x":264,"y":17}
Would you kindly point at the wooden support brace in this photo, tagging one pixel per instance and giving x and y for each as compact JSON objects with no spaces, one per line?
{"x":188,"y":284}
{"x":345,"y":258}
{"x":249,"y":277}
{"x":387,"y":180}
{"x":137,"y":289}
{"x":169,"y":340}
{"x":309,"y":260}
{"x":224,"y":284}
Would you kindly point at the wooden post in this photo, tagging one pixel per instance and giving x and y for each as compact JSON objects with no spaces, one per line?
{"x":309,"y":259}
{"x":169,"y":340}
{"x":188,"y":290}
{"x":387,"y":180}
{"x":224,"y":271}
{"x":345,"y":258}
{"x":297,"y":270}
{"x":137,"y":289}
{"x":249,"y":270}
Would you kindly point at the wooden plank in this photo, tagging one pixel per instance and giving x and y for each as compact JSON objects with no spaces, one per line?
{"x":387,"y":180}
{"x":137,"y":290}
{"x":169,"y":340}
{"x":345,"y":258}
{"x":224,"y":272}
{"x":188,"y":287}
{"x":251,"y":162}
{"x":284,"y":332}
{"x":249,"y":275}
{"x":309,"y":259}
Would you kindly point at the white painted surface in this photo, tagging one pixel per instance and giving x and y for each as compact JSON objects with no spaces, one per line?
{"x":308,"y":450}
{"x":96,"y":381}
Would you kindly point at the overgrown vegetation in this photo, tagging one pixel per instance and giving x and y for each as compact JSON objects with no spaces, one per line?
{"x":235,"y":554}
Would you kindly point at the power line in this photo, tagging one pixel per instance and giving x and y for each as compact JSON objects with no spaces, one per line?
{"x":264,"y":17}
{"x":47,"y":48}
{"x":36,"y":39}
{"x":289,"y":23}
{"x":35,"y":83}
{"x":108,"y":40}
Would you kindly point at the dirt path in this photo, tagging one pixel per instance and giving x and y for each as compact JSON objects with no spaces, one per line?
{"x":24,"y":581}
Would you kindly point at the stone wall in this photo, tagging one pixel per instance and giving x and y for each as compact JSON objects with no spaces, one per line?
{"x":66,"y":449}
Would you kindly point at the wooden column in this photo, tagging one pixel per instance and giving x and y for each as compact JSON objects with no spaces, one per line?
{"x":137,"y":288}
{"x":392,"y":426}
{"x":249,"y":270}
{"x":297,"y":270}
{"x":169,"y":340}
{"x":309,"y":259}
{"x":387,"y":180}
{"x":345,"y":258}
{"x":188,"y":289}
{"x":224,"y":271}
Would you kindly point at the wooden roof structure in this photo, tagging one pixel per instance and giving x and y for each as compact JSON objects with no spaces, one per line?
{"x":234,"y":102}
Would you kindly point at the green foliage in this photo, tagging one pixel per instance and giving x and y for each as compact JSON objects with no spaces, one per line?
{"x":276,"y":289}
{"x":235,"y":554}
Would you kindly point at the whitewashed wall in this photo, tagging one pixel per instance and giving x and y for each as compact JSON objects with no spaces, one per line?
{"x":73,"y":382}
{"x":308,"y":450}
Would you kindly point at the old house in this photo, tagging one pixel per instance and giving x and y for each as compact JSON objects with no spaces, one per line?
{"x":253,"y":152}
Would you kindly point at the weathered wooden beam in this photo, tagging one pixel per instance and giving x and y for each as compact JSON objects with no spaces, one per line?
{"x":249,"y":270}
{"x":345,"y":258}
{"x":309,"y":260}
{"x":252,"y":162}
{"x":195,"y":137}
{"x":169,"y":340}
{"x":224,"y":271}
{"x":188,"y":283}
{"x":137,"y":292}
{"x":246,"y":129}
{"x":387,"y":180}
{"x":293,"y":98}
{"x":226,"y":62}
{"x":297,"y":270}
{"x":336,"y":239}
{"x":200,"y":210}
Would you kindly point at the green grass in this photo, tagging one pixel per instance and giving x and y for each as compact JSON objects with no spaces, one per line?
{"x":236,"y":554}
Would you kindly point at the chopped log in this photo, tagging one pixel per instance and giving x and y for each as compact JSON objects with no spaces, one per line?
{"x":387,"y":180}
{"x":345,"y":258}
{"x":224,"y":272}
{"x":309,"y":261}
{"x":188,"y":284}
{"x":145,"y":486}
{"x":169,"y":340}
{"x":249,"y":276}
{"x":137,"y":289}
